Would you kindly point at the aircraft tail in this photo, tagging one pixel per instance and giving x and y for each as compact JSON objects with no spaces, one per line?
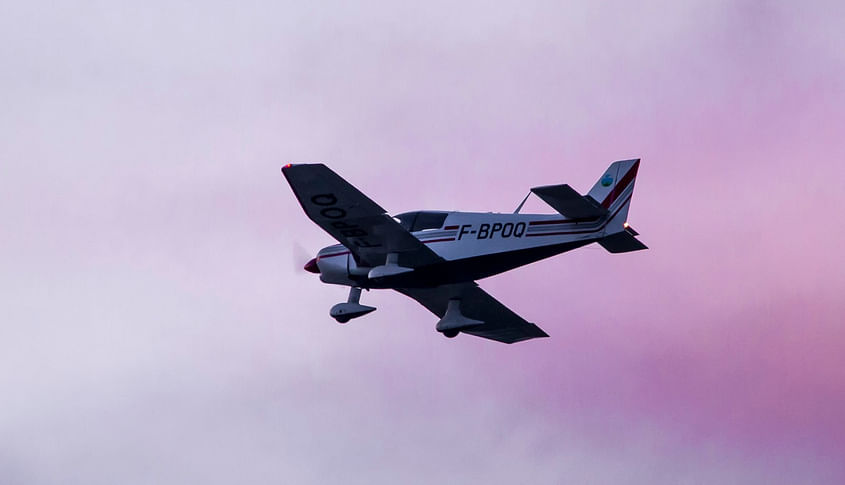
{"x":613,"y":192}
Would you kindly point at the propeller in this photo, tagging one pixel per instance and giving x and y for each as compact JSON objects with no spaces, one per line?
{"x":299,"y":254}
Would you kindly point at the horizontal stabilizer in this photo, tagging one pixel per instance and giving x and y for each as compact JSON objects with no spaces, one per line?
{"x":568,"y":202}
{"x":621,"y":242}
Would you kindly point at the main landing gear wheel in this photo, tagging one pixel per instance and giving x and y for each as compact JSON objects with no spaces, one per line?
{"x":451,"y":333}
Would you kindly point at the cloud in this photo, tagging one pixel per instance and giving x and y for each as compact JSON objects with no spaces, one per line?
{"x":154,"y":330}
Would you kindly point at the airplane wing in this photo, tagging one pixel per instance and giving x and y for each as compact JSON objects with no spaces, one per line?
{"x":500,"y":323}
{"x":353,"y":219}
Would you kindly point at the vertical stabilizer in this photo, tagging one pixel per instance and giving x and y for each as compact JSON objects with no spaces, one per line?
{"x":616,"y":185}
{"x":613,"y":191}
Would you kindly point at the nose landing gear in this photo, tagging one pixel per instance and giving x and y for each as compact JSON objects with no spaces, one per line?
{"x":343,"y":312}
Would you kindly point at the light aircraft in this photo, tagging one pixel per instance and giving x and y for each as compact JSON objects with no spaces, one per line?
{"x":435,"y":257}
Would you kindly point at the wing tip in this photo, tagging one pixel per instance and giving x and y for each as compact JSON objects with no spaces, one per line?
{"x":504,"y":337}
{"x":291,"y":165}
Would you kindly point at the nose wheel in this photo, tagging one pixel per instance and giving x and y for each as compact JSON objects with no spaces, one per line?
{"x":343,"y":312}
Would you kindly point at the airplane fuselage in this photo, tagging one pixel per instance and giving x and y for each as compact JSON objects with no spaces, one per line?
{"x":473,"y":246}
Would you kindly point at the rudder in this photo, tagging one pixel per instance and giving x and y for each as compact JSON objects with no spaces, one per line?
{"x":613,"y":191}
{"x":616,"y":185}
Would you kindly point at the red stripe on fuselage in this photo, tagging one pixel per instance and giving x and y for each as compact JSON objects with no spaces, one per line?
{"x":347,"y":252}
{"x":556,"y":221}
{"x":333,"y":254}
{"x":559,"y":233}
{"x":437,"y":240}
{"x":559,"y":221}
{"x":563,"y":232}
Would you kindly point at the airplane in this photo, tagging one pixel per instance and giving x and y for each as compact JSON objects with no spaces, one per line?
{"x":435,"y":257}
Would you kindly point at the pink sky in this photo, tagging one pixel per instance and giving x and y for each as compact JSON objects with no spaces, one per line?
{"x":156,"y":326}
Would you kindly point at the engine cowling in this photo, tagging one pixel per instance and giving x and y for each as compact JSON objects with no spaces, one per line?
{"x":335,"y":267}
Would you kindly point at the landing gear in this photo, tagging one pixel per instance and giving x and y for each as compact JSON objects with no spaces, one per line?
{"x":454,"y":321}
{"x":343,"y":312}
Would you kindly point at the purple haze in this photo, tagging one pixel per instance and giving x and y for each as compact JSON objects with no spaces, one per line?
{"x":157,"y":327}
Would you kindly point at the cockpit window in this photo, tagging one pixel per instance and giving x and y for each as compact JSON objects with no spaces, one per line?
{"x":406,"y":220}
{"x":429,"y":220}
{"x":418,"y":221}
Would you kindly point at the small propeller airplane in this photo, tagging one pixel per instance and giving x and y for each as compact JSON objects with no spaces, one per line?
{"x":435,"y":257}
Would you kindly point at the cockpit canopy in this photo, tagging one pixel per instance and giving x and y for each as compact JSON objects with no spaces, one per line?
{"x":421,"y":220}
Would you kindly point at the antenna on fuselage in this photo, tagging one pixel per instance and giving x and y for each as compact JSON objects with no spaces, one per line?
{"x":522,"y":203}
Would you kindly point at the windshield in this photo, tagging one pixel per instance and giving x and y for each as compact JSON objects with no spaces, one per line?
{"x":421,"y":220}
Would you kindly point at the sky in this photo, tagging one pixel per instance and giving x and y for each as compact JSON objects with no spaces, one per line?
{"x":156,"y":326}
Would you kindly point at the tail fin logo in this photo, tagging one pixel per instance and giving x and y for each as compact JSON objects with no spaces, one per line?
{"x":606,"y":180}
